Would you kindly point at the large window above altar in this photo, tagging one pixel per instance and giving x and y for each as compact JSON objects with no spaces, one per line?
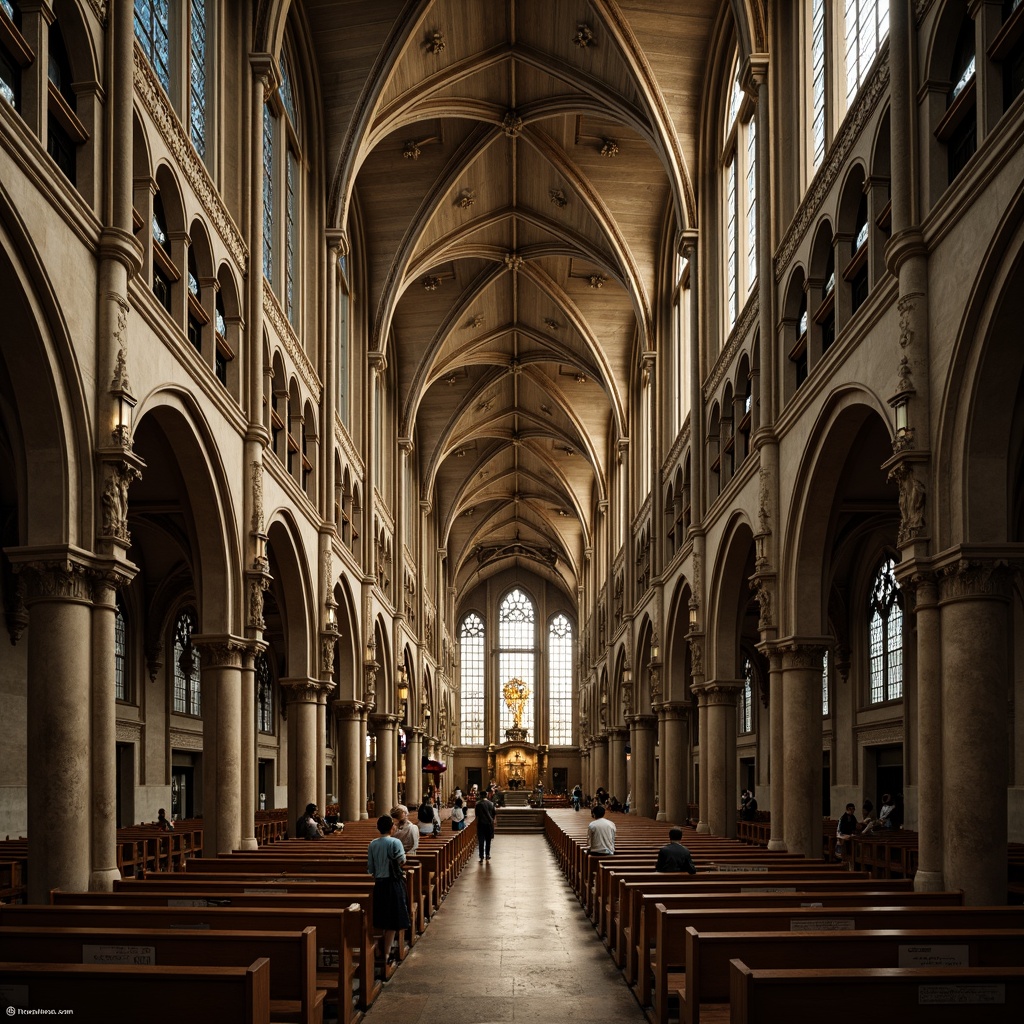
{"x":517,"y":656}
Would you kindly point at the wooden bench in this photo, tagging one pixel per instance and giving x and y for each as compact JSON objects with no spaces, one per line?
{"x":944,"y":995}
{"x":157,"y":995}
{"x":294,"y":996}
{"x":669,"y":961}
{"x":705,"y":995}
{"x":344,"y":936}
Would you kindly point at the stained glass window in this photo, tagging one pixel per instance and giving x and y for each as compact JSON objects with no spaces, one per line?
{"x":264,"y":694}
{"x":818,"y":87}
{"x":472,"y":659}
{"x":268,"y":194}
{"x":152,"y":29}
{"x":120,"y":653}
{"x":867,"y":26}
{"x":197,"y":76}
{"x":560,"y":681}
{"x":885,"y":636}
{"x":824,"y":685}
{"x":746,"y":709}
{"x":517,"y":657}
{"x":186,"y":666}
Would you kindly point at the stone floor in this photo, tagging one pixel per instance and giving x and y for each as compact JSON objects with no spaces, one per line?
{"x":510,"y":943}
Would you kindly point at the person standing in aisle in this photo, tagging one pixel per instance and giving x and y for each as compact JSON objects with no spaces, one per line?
{"x":485,"y":815}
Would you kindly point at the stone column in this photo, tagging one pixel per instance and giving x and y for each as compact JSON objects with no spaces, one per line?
{"x":321,"y":750}
{"x":777,"y":751}
{"x":675,"y":753}
{"x":247,"y":746}
{"x":103,"y":831}
{"x":414,"y":764}
{"x":363,"y":794}
{"x":720,"y":743}
{"x":975,"y":626}
{"x":645,"y":727}
{"x":303,"y":696}
{"x":599,"y":763}
{"x":924,"y":588}
{"x":801,"y":756}
{"x":385,"y":782}
{"x":222,"y":741}
{"x":584,"y":779}
{"x":703,"y":826}
{"x":631,"y":764}
{"x":351,"y":761}
{"x":617,"y":763}
{"x":663,"y":761}
{"x":57,"y":594}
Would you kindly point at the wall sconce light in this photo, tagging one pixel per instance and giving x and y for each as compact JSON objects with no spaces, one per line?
{"x":371,"y":651}
{"x":627,"y":677}
{"x":901,"y":417}
{"x":604,"y":699}
{"x":693,"y":616}
{"x":403,"y":684}
{"x":655,"y":648}
{"x":332,"y":621}
{"x":124,"y":402}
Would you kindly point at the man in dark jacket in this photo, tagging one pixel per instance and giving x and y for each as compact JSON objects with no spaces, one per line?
{"x":485,"y":814}
{"x":673,"y":856}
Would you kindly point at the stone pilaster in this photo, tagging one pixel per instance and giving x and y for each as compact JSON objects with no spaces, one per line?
{"x":303,"y":696}
{"x":675,"y":753}
{"x":599,"y":763}
{"x":247,"y":745}
{"x":414,"y":764}
{"x":617,"y":763}
{"x":645,"y":733}
{"x":386,"y":770}
{"x":720,"y":743}
{"x":777,"y":746}
{"x":351,"y":759}
{"x":703,"y":826}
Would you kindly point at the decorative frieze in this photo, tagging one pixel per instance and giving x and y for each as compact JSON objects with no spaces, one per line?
{"x":54,"y":580}
{"x":128,"y":732}
{"x":180,"y":739}
{"x":273,"y":312}
{"x":735,"y":342}
{"x":976,"y":578}
{"x":220,"y":652}
{"x":803,"y":656}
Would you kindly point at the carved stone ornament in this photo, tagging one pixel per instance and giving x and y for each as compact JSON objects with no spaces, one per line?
{"x":721,"y":694}
{"x":764,"y":515}
{"x":609,"y":148}
{"x":912,"y":501}
{"x":558,"y":197}
{"x":696,"y":656}
{"x":328,"y":641}
{"x":803,"y":656}
{"x":115,"y":500}
{"x":905,"y":306}
{"x":513,"y":261}
{"x":903,"y":441}
{"x":411,"y":150}
{"x":597,"y":281}
{"x":60,"y":579}
{"x":467,"y":197}
{"x":304,"y":691}
{"x":120,"y":379}
{"x":970,"y":577}
{"x":475,"y":321}
{"x":584,"y":36}
{"x":762,"y":588}
{"x":225,"y":653}
{"x":15,"y":612}
{"x":627,"y":699}
{"x":258,"y":583}
{"x":512,"y":124}
{"x":256,"y":469}
{"x":431,"y":283}
{"x":655,"y":673}
{"x":904,"y":383}
{"x":551,"y":323}
{"x":436,"y":43}
{"x":100,"y":10}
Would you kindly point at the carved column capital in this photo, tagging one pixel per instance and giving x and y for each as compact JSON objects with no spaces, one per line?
{"x":220,"y":651}
{"x":53,"y":576}
{"x":804,"y":653}
{"x":722,"y":692}
{"x":301,"y":690}
{"x":348,"y":710}
{"x":970,"y":578}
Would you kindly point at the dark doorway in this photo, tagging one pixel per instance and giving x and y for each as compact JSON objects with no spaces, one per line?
{"x":746,"y":776}
{"x":265,"y":797}
{"x":826,"y":784}
{"x":475,"y":777}
{"x":182,"y":791}
{"x":889,"y":779}
{"x":125,"y":810}
{"x":560,"y":779}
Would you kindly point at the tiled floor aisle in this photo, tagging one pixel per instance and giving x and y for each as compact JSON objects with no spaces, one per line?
{"x":510,"y":943}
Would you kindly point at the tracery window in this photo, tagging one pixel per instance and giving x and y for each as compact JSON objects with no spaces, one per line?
{"x":472,"y":662}
{"x":187,"y":694}
{"x":560,"y":681}
{"x":181,"y":64}
{"x":885,"y":635}
{"x":819,"y":82}
{"x":739,"y":190}
{"x":120,"y":655}
{"x":959,"y":128}
{"x":517,"y":655}
{"x":867,"y":26}
{"x":264,"y":694}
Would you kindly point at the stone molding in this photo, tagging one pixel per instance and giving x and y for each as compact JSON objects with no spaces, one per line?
{"x":384,"y":722}
{"x":220,"y":651}
{"x":347,"y":709}
{"x":736,"y":338}
{"x":722,"y":692}
{"x":803,"y":654}
{"x":128,"y":732}
{"x":64,"y":578}
{"x":302,"y":691}
{"x":182,"y":739}
{"x":273,"y":312}
{"x":973,"y":578}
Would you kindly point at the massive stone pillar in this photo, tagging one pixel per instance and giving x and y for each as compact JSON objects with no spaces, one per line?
{"x":675,"y":754}
{"x":645,"y":733}
{"x":247,"y":747}
{"x":975,"y":626}
{"x":385,"y":776}
{"x":776,"y":710}
{"x":58,"y":593}
{"x":924,"y":588}
{"x":719,"y":743}
{"x":303,"y":696}
{"x":703,"y":826}
{"x":599,"y":763}
{"x":222,"y":741}
{"x":351,"y":760}
{"x":617,"y":764}
{"x":662,"y":765}
{"x":414,"y":764}
{"x":801,"y":757}
{"x":321,"y":750}
{"x":364,"y":781}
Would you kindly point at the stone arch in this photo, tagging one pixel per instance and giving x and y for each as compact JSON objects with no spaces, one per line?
{"x":172,"y":436}
{"x":350,"y":648}
{"x":732,"y":608}
{"x":794,"y":357}
{"x":292,"y":588}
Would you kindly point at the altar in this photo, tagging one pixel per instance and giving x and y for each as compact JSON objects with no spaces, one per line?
{"x":517,"y":765}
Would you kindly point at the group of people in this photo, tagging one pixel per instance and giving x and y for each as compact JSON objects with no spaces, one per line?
{"x":313,"y":825}
{"x":673,"y":856}
{"x":850,"y":825}
{"x":748,"y":805}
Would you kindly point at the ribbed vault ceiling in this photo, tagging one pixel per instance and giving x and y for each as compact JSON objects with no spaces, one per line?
{"x":513,"y":165}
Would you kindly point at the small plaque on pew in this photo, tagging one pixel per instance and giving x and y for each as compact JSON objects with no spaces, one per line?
{"x":199,"y":926}
{"x":767,"y":888}
{"x":276,"y":890}
{"x":120,"y":956}
{"x":823,"y":924}
{"x":187,"y":903}
{"x":812,"y":904}
{"x":742,"y":867}
{"x":961,"y":995}
{"x":945,"y":955}
{"x":326,"y":958}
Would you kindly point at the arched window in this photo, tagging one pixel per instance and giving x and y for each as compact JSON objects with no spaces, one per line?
{"x":222,"y":354}
{"x":819,"y":81}
{"x":885,"y":635}
{"x":739,"y":186}
{"x":120,"y":655}
{"x":746,"y":709}
{"x":264,"y":694}
{"x":187,"y":697}
{"x":164,"y":271}
{"x":867,"y":26}
{"x":181,"y":64}
{"x":560,"y":681}
{"x":11,"y":60}
{"x":197,"y":317}
{"x":471,"y":647}
{"x":679,"y":351}
{"x":342,"y":360}
{"x":959,"y":128}
{"x":281,"y":205}
{"x":517,"y":655}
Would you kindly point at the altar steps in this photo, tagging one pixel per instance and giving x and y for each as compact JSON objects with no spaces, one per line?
{"x":520,"y":820}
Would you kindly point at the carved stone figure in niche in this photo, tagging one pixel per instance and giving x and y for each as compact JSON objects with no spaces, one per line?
{"x":115,"y":502}
{"x":912,"y":501}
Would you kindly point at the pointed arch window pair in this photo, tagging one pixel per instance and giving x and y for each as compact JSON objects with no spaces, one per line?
{"x":885,"y":635}
{"x":187,"y":693}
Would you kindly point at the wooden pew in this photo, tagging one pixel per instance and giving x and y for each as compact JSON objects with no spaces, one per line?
{"x":640,"y":898}
{"x":345,"y":940}
{"x":705,"y":995}
{"x":670,"y":956}
{"x":158,"y":995}
{"x":943,"y":995}
{"x":294,"y":996}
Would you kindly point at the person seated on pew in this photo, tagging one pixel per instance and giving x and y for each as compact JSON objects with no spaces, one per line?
{"x":405,"y":831}
{"x":673,"y":856}
{"x":600,"y":833}
{"x":426,"y":815}
{"x":869,"y":822}
{"x":384,"y":859}
{"x":163,"y":822}
{"x":306,"y":827}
